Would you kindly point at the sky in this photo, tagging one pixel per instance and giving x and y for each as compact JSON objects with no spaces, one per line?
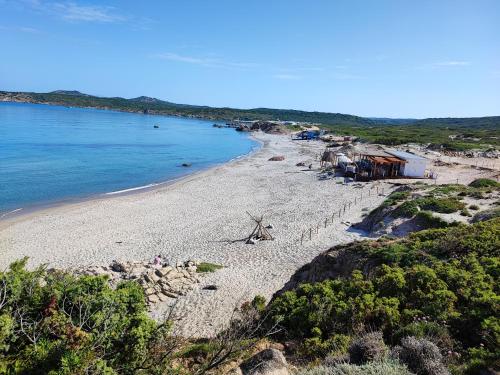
{"x":375,"y":58}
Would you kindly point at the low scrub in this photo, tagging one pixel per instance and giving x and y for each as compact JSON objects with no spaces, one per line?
{"x":441,"y":205}
{"x":373,"y":368}
{"x":204,"y":267}
{"x":484,"y":183}
{"x":446,"y":278}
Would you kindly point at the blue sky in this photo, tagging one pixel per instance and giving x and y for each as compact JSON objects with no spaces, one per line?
{"x":383,"y":58}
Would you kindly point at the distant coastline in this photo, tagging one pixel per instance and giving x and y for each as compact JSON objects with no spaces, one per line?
{"x":149,"y":105}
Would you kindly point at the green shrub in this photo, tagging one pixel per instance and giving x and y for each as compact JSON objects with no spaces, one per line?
{"x":58,"y":323}
{"x":484,"y":183}
{"x":396,"y":197}
{"x":448,"y":276}
{"x":486,"y":215}
{"x":406,"y":209}
{"x":204,"y":267}
{"x":427,"y":220}
{"x":465,"y":212}
{"x":474,"y":207}
{"x":441,"y":205}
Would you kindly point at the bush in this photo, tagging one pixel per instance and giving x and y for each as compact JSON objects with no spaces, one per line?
{"x":396,"y":197}
{"x":484,"y":183}
{"x":374,"y":368}
{"x":428,"y":221}
{"x":465,"y":212}
{"x":406,"y":209}
{"x":421,"y":356}
{"x":58,"y":323}
{"x":204,"y":267}
{"x":486,"y":215}
{"x":436,"y":332}
{"x":441,"y":205}
{"x":447,"y":276}
{"x":367,"y":348}
{"x":474,"y":207}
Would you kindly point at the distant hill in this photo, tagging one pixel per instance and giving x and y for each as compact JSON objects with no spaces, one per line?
{"x":70,"y":93}
{"x":146,"y":104}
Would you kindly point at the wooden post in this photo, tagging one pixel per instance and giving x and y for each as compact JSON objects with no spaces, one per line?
{"x":302,"y":238}
{"x":310,"y":233}
{"x":326,"y":222}
{"x":317,"y":229}
{"x":377,"y":190}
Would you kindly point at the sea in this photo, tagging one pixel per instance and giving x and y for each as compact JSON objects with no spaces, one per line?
{"x":55,"y":154}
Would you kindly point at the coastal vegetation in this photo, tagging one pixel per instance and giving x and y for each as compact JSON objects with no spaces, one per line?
{"x":204,"y":267}
{"x":439,"y":285}
{"x":458,"y":134}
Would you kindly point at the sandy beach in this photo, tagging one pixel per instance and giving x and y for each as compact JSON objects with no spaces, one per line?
{"x":200,"y":217}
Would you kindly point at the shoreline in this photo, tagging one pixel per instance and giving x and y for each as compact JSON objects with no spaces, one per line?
{"x":32,"y":209}
{"x":203,"y":217}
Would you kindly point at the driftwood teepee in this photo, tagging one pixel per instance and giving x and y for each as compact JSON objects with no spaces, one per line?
{"x":260,"y":232}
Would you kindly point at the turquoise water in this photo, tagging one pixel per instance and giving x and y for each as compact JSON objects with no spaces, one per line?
{"x":50,"y":154}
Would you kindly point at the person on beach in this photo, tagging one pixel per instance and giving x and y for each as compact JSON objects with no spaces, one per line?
{"x":157,"y":261}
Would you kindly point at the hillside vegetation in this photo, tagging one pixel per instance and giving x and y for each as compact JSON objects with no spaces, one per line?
{"x":453,"y":133}
{"x":439,"y":285}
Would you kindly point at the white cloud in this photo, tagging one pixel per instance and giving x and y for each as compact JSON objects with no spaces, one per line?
{"x":71,"y":11}
{"x":20,"y":29}
{"x":288,"y":77}
{"x":204,"y":61}
{"x":76,"y":12}
{"x":452,"y":63}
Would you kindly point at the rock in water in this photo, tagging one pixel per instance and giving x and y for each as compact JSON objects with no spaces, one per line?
{"x":266,"y":362}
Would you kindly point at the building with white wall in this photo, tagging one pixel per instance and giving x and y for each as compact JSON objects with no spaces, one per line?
{"x":415,"y":165}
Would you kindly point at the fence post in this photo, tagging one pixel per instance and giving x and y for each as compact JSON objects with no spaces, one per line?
{"x":326,"y":222}
{"x":310,"y":233}
{"x":302,"y":238}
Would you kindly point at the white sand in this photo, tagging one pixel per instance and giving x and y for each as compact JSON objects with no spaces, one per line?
{"x":193,"y":218}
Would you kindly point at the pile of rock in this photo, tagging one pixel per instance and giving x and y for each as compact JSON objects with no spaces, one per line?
{"x":159,"y":282}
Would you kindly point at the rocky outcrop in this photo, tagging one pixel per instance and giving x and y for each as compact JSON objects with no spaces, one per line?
{"x":266,"y":362}
{"x":160,"y":283}
{"x":270,"y":127}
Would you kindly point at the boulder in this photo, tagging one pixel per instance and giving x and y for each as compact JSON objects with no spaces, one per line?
{"x":277,"y":158}
{"x":153,"y":298}
{"x":266,"y":362}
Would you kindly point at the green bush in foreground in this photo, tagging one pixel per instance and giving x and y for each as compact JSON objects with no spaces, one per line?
{"x":483,"y":183}
{"x":447,"y":277}
{"x":55,"y":323}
